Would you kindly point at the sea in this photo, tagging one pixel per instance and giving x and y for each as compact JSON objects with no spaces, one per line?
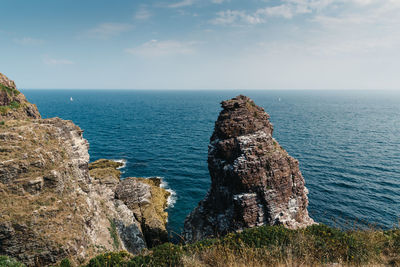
{"x":347,"y":143}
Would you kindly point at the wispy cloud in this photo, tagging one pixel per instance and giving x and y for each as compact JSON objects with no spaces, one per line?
{"x":57,"y":61}
{"x":155,"y":48}
{"x":28,"y":41}
{"x":261,"y":15}
{"x":182,"y":3}
{"x":108,"y":30}
{"x":236,"y":16}
{"x":219,"y":1}
{"x":357,"y":11}
{"x":142,"y":14}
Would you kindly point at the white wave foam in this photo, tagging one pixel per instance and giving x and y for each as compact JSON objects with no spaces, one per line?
{"x":123,"y":161}
{"x":172,"y":197}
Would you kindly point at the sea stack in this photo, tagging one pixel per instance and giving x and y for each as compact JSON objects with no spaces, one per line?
{"x":254,"y":181}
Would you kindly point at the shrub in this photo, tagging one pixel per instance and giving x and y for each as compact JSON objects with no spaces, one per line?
{"x":14,"y":105}
{"x":9,"y":262}
{"x":114,"y":234}
{"x":65,"y":263}
{"x":111,"y":259}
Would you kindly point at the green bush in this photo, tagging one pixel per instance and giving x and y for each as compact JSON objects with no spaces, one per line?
{"x":271,"y":246}
{"x":14,"y":105}
{"x":114,"y":234}
{"x":65,"y":263}
{"x":111,"y":259}
{"x":9,"y":262}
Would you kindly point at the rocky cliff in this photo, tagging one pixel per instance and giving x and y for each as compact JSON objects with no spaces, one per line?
{"x":13,"y":104}
{"x":52,"y":204}
{"x":254,"y":181}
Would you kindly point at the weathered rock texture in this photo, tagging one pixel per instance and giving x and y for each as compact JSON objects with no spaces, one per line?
{"x":148,"y":201}
{"x":254,"y":181}
{"x":143,"y":196}
{"x":51,"y":205}
{"x":13,"y":104}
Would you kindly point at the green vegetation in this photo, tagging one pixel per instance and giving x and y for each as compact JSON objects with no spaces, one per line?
{"x":2,"y":122}
{"x":65,"y":263}
{"x":10,"y":91}
{"x":14,"y":105}
{"x":104,"y":164}
{"x":8,"y":262}
{"x":271,"y":246}
{"x":114,"y":234}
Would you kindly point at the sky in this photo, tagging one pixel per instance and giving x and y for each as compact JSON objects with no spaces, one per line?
{"x":201,"y":44}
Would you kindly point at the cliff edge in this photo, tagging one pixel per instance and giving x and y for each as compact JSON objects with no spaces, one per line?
{"x":13,"y":104}
{"x":254,"y":181}
{"x":53,"y":204}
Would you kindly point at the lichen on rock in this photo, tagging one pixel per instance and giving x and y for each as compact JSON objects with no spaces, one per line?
{"x":254,"y":181}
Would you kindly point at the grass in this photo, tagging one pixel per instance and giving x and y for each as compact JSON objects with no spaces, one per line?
{"x":10,"y":91}
{"x":13,"y":105}
{"x":114,"y":234}
{"x":317,"y":245}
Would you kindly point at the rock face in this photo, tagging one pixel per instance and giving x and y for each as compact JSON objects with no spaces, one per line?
{"x":143,"y":196}
{"x":13,"y":104}
{"x":254,"y":181}
{"x":53,"y":204}
{"x":148,"y":201}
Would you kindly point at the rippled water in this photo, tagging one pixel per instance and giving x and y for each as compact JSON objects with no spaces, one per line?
{"x":347,"y":142}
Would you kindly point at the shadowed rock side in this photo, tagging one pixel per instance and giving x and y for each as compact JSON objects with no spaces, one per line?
{"x":13,"y":104}
{"x":254,"y":181}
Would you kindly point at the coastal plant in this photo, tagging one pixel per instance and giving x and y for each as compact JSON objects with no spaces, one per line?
{"x":114,"y":233}
{"x":9,"y":262}
{"x":111,"y":259}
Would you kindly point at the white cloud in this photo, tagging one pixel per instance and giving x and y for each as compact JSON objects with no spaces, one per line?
{"x":219,"y":1}
{"x":182,"y":3}
{"x":109,"y":29}
{"x":237,"y":16}
{"x":28,"y":41}
{"x":155,"y":48}
{"x":142,"y":14}
{"x":53,"y":61}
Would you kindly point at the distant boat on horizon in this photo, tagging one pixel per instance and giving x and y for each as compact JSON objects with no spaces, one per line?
{"x":71,"y":99}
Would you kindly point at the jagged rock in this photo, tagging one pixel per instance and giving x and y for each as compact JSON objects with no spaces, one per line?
{"x":143,"y":196}
{"x":50,"y":206}
{"x":13,"y":104}
{"x":254,"y":181}
{"x":148,"y":201}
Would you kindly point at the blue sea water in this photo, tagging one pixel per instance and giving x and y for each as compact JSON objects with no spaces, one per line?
{"x":347,"y":142}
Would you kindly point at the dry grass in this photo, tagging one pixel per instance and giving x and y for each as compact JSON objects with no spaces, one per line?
{"x":318,"y":245}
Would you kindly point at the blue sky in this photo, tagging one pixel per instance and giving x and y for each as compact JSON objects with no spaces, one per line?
{"x":201,"y":44}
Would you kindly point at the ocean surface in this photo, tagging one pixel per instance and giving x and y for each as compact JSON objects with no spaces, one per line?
{"x":347,"y":142}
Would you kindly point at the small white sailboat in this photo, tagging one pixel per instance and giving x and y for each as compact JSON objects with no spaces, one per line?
{"x":71,"y":99}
